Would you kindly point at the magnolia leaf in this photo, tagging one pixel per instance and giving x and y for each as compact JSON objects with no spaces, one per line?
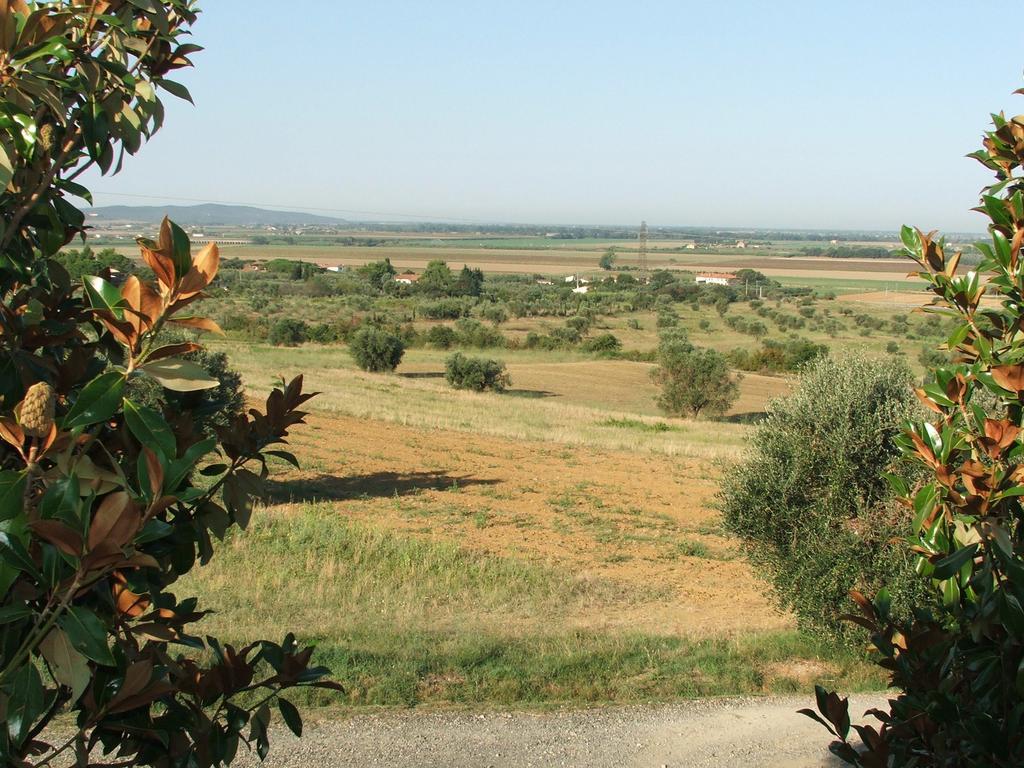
{"x":199,"y":323}
{"x":69,"y":667}
{"x":149,"y":428}
{"x":176,"y":89}
{"x":6,"y":169}
{"x":104,"y":295}
{"x":12,"y":489}
{"x":98,"y":401}
{"x":291,"y":716}
{"x":87,"y":634}
{"x":180,"y":375}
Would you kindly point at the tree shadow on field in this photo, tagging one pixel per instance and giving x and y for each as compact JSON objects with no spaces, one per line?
{"x":529,"y":394}
{"x":422,"y":375}
{"x":376,"y":485}
{"x":752,"y":417}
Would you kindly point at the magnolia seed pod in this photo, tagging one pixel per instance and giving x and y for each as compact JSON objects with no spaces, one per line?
{"x":36,"y":415}
{"x":47,"y":136}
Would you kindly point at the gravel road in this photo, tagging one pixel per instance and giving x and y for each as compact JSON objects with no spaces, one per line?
{"x":717,"y":733}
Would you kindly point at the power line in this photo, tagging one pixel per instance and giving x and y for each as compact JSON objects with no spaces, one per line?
{"x":293,"y":207}
{"x":643,"y":247}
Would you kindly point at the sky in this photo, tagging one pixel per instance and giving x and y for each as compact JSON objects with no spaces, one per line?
{"x":817,"y":115}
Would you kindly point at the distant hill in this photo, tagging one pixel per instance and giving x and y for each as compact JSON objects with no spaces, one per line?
{"x":209,"y":214}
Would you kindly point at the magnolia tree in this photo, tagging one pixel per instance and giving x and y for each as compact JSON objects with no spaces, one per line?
{"x":106,"y":502}
{"x":959,"y":669}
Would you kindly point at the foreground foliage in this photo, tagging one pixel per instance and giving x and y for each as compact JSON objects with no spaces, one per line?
{"x":105,"y":502}
{"x":809,"y":501}
{"x":959,"y":668}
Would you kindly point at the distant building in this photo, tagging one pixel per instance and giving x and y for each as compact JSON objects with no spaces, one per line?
{"x":335,"y":269}
{"x":741,"y":243}
{"x":715,"y":278}
{"x":581,"y":289}
{"x":544,"y":282}
{"x":407,"y":278}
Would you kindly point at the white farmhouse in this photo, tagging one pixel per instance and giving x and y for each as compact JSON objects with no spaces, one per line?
{"x":715,"y":278}
{"x":407,"y":278}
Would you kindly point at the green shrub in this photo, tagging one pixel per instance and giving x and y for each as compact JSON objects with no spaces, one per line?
{"x":604,"y":343}
{"x":326,"y":333}
{"x":693,"y":382}
{"x":376,"y":350}
{"x":473,"y":333}
{"x":778,"y":356}
{"x":667,"y":320}
{"x":476,"y":373}
{"x":441,"y":337}
{"x":288,"y":333}
{"x":810,"y":503}
{"x":494,"y":313}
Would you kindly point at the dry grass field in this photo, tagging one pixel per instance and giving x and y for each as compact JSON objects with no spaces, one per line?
{"x":510,"y":549}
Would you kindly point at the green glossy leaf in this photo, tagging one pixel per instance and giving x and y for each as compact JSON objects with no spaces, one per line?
{"x":176,"y":89}
{"x":949,"y":566}
{"x":12,"y":491}
{"x":98,"y":401}
{"x":181,"y":250}
{"x":149,"y":428}
{"x":87,"y":634}
{"x":11,"y":613}
{"x":26,"y":702}
{"x":104,"y":295}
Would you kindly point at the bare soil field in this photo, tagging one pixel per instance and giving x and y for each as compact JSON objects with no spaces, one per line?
{"x":569,"y":260}
{"x":634,"y":520}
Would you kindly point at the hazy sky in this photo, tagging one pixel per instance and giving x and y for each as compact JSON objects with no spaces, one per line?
{"x":786,"y":114}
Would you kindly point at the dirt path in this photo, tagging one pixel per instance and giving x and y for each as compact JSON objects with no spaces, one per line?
{"x":699,"y":734}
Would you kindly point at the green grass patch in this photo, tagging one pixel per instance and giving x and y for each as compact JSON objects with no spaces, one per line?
{"x":405,"y":621}
{"x":642,"y":426}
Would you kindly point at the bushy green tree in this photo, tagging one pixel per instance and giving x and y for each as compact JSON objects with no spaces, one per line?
{"x":379,"y":274}
{"x":376,"y":350}
{"x":809,"y":500}
{"x":437,"y":279}
{"x":288,"y":332}
{"x":441,"y":337}
{"x":693,"y":382}
{"x":476,"y":373}
{"x":470,"y":282}
{"x":84,"y":262}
